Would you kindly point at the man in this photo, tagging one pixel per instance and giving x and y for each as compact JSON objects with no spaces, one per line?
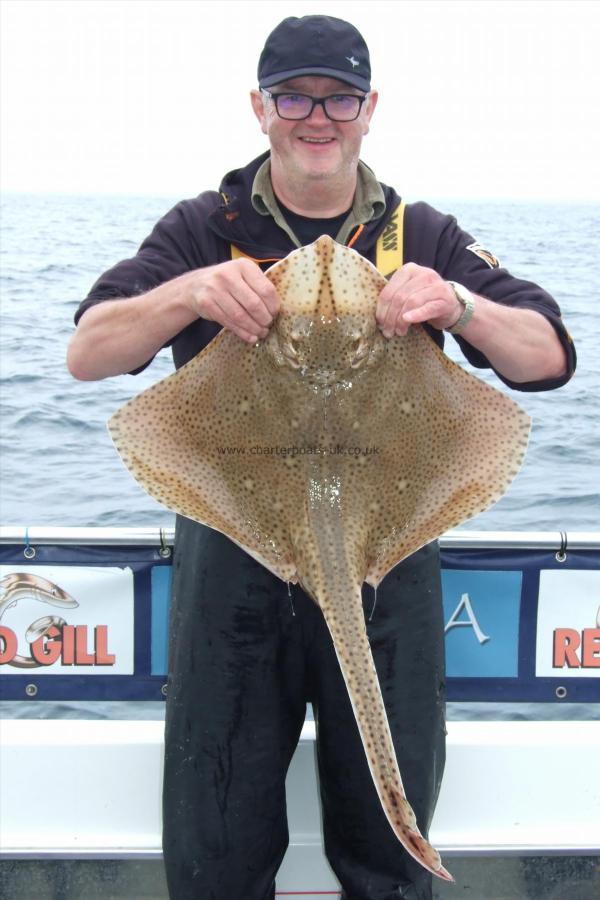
{"x":244,"y":659}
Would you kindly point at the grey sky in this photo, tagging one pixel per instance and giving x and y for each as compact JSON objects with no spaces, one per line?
{"x":479,"y":99}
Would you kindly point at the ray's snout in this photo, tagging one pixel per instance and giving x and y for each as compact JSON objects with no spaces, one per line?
{"x":327,"y":328}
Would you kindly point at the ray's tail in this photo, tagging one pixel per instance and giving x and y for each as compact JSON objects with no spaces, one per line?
{"x":344,"y":615}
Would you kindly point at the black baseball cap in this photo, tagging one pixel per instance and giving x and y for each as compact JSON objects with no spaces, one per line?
{"x":315,"y":45}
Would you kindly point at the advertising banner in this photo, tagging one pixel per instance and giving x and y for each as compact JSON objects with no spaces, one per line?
{"x":568,"y":624}
{"x":482,"y":611}
{"x":66,"y":619}
{"x":92,"y":623}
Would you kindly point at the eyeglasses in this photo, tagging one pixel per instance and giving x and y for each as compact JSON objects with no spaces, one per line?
{"x":337,"y":107}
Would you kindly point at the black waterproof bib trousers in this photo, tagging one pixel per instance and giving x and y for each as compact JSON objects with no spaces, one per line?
{"x":245,"y":659}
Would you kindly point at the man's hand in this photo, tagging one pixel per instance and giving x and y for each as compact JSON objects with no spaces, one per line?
{"x":121,"y":335}
{"x":521,"y":344}
{"x":237,"y":295}
{"x":416,"y":294}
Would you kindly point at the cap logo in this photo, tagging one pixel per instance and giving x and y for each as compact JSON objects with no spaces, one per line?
{"x":354,"y":62}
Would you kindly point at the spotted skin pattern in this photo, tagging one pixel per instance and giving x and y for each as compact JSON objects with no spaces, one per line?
{"x":329,"y":454}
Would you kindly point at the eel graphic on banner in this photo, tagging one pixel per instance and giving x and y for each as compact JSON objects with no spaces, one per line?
{"x":66,"y":620}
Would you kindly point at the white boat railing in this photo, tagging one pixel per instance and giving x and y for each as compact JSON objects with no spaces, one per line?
{"x":525,"y":788}
{"x":153,"y":536}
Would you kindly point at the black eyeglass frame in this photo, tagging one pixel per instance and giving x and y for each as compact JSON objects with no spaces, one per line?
{"x":316,"y":101}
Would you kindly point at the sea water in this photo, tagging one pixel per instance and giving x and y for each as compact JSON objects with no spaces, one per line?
{"x":58,"y":464}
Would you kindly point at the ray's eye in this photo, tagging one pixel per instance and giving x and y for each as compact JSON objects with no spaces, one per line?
{"x":290,"y":350}
{"x":360,"y":348}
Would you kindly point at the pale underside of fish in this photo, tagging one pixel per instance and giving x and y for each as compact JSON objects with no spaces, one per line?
{"x":329,"y":453}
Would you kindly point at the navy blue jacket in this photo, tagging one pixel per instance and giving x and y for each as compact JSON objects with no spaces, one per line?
{"x":199,"y":232}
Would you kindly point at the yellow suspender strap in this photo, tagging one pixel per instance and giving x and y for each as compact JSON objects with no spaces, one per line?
{"x":389,"y":250}
{"x":390,"y":244}
{"x":236,"y":253}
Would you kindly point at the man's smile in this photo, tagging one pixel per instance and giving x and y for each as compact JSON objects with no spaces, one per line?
{"x":317,"y":145}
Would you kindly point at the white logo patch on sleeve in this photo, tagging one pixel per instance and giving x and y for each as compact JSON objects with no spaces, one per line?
{"x":488,"y":257}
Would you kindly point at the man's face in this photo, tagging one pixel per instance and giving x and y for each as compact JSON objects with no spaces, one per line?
{"x":313,"y":148}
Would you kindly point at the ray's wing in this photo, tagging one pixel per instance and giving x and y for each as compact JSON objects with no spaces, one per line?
{"x":207,"y":443}
{"x":449,"y":446}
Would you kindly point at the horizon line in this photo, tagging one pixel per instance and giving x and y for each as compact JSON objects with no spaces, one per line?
{"x":178,"y":196}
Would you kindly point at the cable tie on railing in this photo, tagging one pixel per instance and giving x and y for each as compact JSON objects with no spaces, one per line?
{"x":561,"y":554}
{"x":165,"y":551}
{"x":29,"y":551}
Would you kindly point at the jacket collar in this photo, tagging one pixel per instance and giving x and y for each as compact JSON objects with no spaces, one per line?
{"x":260,"y":234}
{"x":368,"y":204}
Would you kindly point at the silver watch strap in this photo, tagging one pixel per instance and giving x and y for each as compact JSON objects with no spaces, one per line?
{"x":464,"y":298}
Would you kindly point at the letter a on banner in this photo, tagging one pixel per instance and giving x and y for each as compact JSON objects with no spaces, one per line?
{"x":469,"y":622}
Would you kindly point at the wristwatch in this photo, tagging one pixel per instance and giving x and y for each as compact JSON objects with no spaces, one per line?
{"x":465,"y":298}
